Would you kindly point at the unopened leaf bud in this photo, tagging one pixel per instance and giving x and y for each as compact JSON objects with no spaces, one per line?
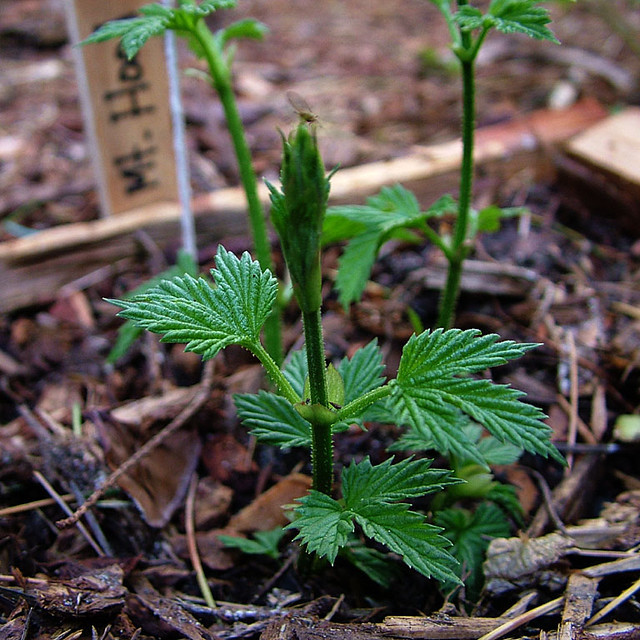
{"x":298,"y":212}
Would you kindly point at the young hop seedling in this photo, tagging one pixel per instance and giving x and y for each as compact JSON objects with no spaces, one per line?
{"x":187,"y":20}
{"x":313,"y":402}
{"x":496,"y":504}
{"x":395,"y":212}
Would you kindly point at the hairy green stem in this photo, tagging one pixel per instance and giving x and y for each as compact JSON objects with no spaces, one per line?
{"x":321,"y":441}
{"x":357,"y":406}
{"x":459,"y":248}
{"x":273,"y":371}
{"x":314,"y":345}
{"x":221,"y":76}
{"x":322,"y":457}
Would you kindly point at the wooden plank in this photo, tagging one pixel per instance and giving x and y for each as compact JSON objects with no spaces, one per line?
{"x":126,"y":109}
{"x":34,"y":268}
{"x":602,"y":166}
{"x":612,"y":145}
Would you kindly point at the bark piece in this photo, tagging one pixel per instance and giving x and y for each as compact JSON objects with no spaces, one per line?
{"x":579,"y":597}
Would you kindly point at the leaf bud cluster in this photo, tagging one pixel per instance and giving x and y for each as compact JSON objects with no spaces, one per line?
{"x":298,"y":213}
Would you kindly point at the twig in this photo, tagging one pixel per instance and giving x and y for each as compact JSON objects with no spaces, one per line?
{"x":186,"y":414}
{"x":335,"y":607}
{"x":568,"y":495}
{"x":27,"y":624}
{"x":35,"y":504}
{"x":510,"y":625}
{"x":63,"y":505}
{"x":582,"y":427}
{"x":630,"y":563}
{"x":11,"y":579}
{"x":91,"y":520}
{"x":521,"y":606}
{"x":608,"y":608}
{"x":605,"y":448}
{"x":54,"y":426}
{"x":275,"y":577}
{"x":548,"y":500}
{"x":189,"y":525}
{"x":573,"y":397}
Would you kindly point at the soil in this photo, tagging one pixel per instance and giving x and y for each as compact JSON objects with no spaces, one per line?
{"x":380,"y":78}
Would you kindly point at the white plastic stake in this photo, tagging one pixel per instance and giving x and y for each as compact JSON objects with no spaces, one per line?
{"x":180,"y":149}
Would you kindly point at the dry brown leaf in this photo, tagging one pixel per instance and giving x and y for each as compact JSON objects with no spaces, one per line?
{"x":267,"y":511}
{"x":146,"y":410}
{"x":515,"y":558}
{"x":213,"y":554}
{"x":213,"y":500}
{"x":158,"y":483}
{"x":223,"y":455}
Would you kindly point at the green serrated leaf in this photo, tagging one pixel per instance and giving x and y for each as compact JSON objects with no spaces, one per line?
{"x":392,"y":210}
{"x":412,"y":440}
{"x":129,"y":332}
{"x":489,"y":449}
{"x":372,"y":493}
{"x":207,"y":7}
{"x":337,"y":228}
{"x":264,"y":543}
{"x":469,"y":18}
{"x":443,"y":206}
{"x":470,"y":534}
{"x":141,"y":30}
{"x":323,"y":525}
{"x":438,"y":354}
{"x":428,"y":391}
{"x":406,"y":533}
{"x":296,"y":371}
{"x":207,"y":319}
{"x":436,"y":424}
{"x":362,"y":372}
{"x":521,"y":16}
{"x":273,"y":420}
{"x":396,"y":200}
{"x":247,"y":28}
{"x":500,"y":410}
{"x":354,"y":266}
{"x":373,"y":563}
{"x":506,"y":497}
{"x":445,"y":433}
{"x":370,"y":498}
{"x":363,"y":482}
{"x":155,"y":9}
{"x":133,"y":32}
{"x":485,"y":220}
{"x":496,"y":452}
{"x":155,"y":19}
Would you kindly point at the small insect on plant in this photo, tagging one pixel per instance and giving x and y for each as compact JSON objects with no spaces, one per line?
{"x":302,"y":108}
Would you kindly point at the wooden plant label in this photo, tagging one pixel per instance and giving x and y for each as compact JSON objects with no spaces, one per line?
{"x":126,"y":109}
